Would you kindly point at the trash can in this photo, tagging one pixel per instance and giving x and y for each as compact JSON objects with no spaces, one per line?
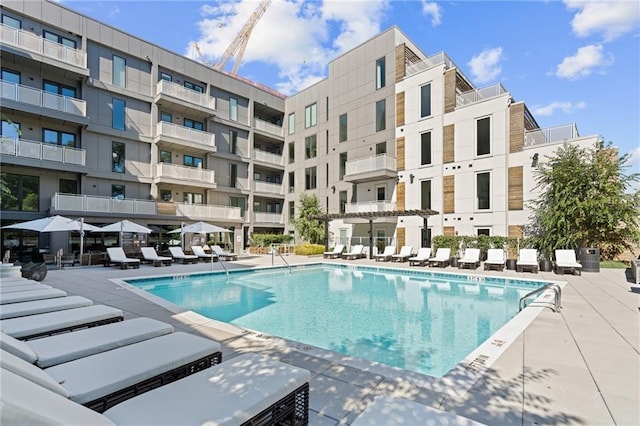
{"x":590,"y":259}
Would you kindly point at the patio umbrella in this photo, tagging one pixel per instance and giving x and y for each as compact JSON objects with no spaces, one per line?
{"x":125,"y":226}
{"x":199,"y":228}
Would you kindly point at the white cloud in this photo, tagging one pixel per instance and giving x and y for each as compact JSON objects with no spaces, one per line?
{"x":485,"y":66}
{"x":634,"y":159}
{"x":566,"y":107}
{"x":434,"y":10}
{"x":586,"y":59}
{"x":611,"y":19}
{"x":113,"y":11}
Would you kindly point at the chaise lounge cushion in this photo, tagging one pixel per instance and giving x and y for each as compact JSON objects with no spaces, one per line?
{"x":26,"y":287}
{"x":30,"y":372}
{"x":17,"y":348}
{"x":23,"y":296}
{"x":35,"y":307}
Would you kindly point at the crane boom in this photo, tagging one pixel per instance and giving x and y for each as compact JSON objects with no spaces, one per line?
{"x":239,"y":43}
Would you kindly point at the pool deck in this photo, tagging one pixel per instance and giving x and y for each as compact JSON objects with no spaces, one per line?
{"x":577,"y":367}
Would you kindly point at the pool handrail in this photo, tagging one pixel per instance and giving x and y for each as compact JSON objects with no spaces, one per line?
{"x":557,"y":304}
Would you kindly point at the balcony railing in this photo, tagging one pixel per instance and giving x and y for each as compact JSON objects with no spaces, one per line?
{"x":42,"y":151}
{"x":183,"y":173}
{"x":98,"y":204}
{"x":551,"y":135}
{"x":268,"y":157}
{"x":370,"y":164}
{"x":40,"y":98}
{"x":268,"y":187}
{"x":186,"y":134}
{"x":430,"y":62}
{"x":261,"y":217}
{"x":268,"y":127}
{"x":33,"y":43}
{"x":209,"y":211}
{"x":370,"y":206}
{"x":177,"y":91}
{"x":478,"y":95}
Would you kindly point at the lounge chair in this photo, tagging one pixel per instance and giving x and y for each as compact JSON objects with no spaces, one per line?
{"x":223,"y":255}
{"x":495,"y":259}
{"x":442,"y":257}
{"x":26,"y":287}
{"x":471,"y":258}
{"x":199,"y":251}
{"x":245,"y":390}
{"x":424,"y":253}
{"x":116,"y":255}
{"x":179,"y":256}
{"x":337,"y":252}
{"x":527,"y":259}
{"x":50,"y":323}
{"x":357,"y":252}
{"x":24,"y":296}
{"x":386,"y":254}
{"x":42,"y":306}
{"x":566,"y":260}
{"x":404,"y":255}
{"x":104,"y":379}
{"x":49,"y":351}
{"x":149,"y":255}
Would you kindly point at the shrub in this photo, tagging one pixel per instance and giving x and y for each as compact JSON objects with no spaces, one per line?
{"x":308,"y":249}
{"x":265,"y":240}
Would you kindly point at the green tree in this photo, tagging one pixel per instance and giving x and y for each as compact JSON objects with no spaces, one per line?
{"x":310,"y":230}
{"x":586,"y":200}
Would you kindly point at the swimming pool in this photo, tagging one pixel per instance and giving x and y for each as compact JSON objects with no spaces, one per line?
{"x":419,"y":321}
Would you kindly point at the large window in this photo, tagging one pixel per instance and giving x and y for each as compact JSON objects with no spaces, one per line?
{"x":165,"y":157}
{"x":425,"y":194}
{"x":483,"y":190}
{"x":119,"y":71}
{"x":194,"y":87}
{"x":425,"y":100}
{"x":58,"y":138}
{"x":193,"y":198}
{"x":11,"y":22}
{"x":380,"y":73}
{"x":233,"y":109}
{"x":381,"y":115}
{"x":118,"y":192}
{"x":20,"y":192}
{"x":425,"y":148}
{"x":58,"y":89}
{"x":292,"y":152}
{"x":483,"y":136}
{"x":118,"y":114}
{"x":310,"y":115}
{"x":310,"y":147}
{"x":342,"y":133}
{"x":10,"y":129}
{"x":192,"y":124}
{"x":191,"y":161}
{"x":117,"y":157}
{"x":292,"y":123}
{"x":233,"y":141}
{"x":59,"y":39}
{"x":310,"y":178}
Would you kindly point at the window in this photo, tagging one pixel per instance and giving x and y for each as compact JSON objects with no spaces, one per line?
{"x":380,"y":73}
{"x":193,"y":198}
{"x":118,"y":117}
{"x":191,"y":161}
{"x":310,"y":115}
{"x":117,"y":192}
{"x":292,"y":152}
{"x":165,"y":156}
{"x":233,"y":109}
{"x":233,"y":175}
{"x":343,"y":165}
{"x":310,"y":178}
{"x":292,"y":181}
{"x":381,"y":115}
{"x":292,"y":210}
{"x":483,"y":231}
{"x":166,"y":117}
{"x":165,"y":195}
{"x":119,"y":71}
{"x":166,"y":77}
{"x":310,"y":147}
{"x":58,"y":138}
{"x":342,"y":132}
{"x":117,"y":157}
{"x":10,"y":130}
{"x":59,"y":89}
{"x":292,"y":123}
{"x":68,"y":186}
{"x":425,"y":194}
{"x":233,"y":141}
{"x":483,"y":190}
{"x":381,"y":193}
{"x":425,"y":148}
{"x":238,"y":202}
{"x":194,"y":87}
{"x":11,"y":22}
{"x":10,"y":76}
{"x":59,"y":39}
{"x":483,"y":136}
{"x":22,"y":192}
{"x":381,"y":148}
{"x":343,"y":201}
{"x":425,"y":100}
{"x":192,"y":124}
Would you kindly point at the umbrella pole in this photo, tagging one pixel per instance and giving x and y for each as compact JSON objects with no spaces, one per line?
{"x":81,"y":238}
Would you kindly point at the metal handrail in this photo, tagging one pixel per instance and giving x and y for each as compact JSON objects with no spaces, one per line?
{"x":557,"y":304}
{"x":221,"y":264}
{"x":275,"y":251}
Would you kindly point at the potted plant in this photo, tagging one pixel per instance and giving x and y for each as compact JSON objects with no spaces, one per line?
{"x":545,"y":263}
{"x":513,"y":246}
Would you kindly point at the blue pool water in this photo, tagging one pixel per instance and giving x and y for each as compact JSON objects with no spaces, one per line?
{"x":419,"y":321}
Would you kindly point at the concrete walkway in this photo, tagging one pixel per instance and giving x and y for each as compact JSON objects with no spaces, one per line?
{"x":581,"y":366}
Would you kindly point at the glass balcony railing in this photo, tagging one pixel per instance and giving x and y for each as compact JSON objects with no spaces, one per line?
{"x":42,"y":151}
{"x":551,"y":135}
{"x":478,"y":95}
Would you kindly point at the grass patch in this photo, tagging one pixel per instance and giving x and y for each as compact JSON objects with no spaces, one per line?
{"x":613,"y":264}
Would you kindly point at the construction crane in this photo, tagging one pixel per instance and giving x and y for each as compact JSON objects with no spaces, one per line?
{"x":239,"y":43}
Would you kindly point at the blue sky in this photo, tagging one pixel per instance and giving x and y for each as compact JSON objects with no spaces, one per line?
{"x":570,"y":61}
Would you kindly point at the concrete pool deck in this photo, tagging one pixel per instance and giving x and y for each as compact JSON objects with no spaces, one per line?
{"x":579,"y":366}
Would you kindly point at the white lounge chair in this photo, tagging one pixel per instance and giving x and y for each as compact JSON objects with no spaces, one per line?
{"x":49,"y":351}
{"x":404,"y":255}
{"x":471,"y":258}
{"x":149,"y":254}
{"x":25,"y":287}
{"x":24,"y":296}
{"x":357,"y":252}
{"x":179,"y":256}
{"x":337,"y":252}
{"x":199,"y":251}
{"x":218,"y":395}
{"x":224,"y":255}
{"x":424,"y":253}
{"x":495,"y":259}
{"x":116,"y":255}
{"x":34,"y":307}
{"x":527,"y":259}
{"x":442,"y":257}
{"x":566,"y":260}
{"x":386,"y":254}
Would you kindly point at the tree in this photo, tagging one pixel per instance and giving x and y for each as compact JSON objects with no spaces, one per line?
{"x":311,"y":230}
{"x":586,"y":200}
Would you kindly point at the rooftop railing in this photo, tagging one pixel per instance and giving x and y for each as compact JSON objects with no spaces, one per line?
{"x":186,"y":134}
{"x":478,"y":95}
{"x":177,"y":91}
{"x":268,"y":127}
{"x":28,"y":95}
{"x":551,"y":135}
{"x":42,"y":151}
{"x":99,"y":204}
{"x":430,"y":62}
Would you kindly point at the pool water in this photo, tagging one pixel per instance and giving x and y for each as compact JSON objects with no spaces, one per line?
{"x":423,"y":322}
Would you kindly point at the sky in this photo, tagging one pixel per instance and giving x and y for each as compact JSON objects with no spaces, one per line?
{"x":570,"y":61}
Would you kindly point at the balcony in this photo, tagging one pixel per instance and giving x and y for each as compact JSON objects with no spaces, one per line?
{"x":430,"y":62}
{"x":173,"y":173}
{"x":550,"y":135}
{"x":268,"y":188}
{"x":33,"y":43}
{"x":179,"y":98}
{"x":42,"y":151}
{"x":26,"y":95}
{"x":268,"y":158}
{"x":174,"y":134}
{"x":370,"y":169}
{"x":479,"y":95}
{"x":209,"y":212}
{"x":268,"y":218}
{"x":268,"y":127}
{"x":370,"y":206}
{"x":101,"y":205}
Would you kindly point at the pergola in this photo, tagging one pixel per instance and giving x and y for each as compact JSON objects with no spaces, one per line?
{"x":370,"y":216}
